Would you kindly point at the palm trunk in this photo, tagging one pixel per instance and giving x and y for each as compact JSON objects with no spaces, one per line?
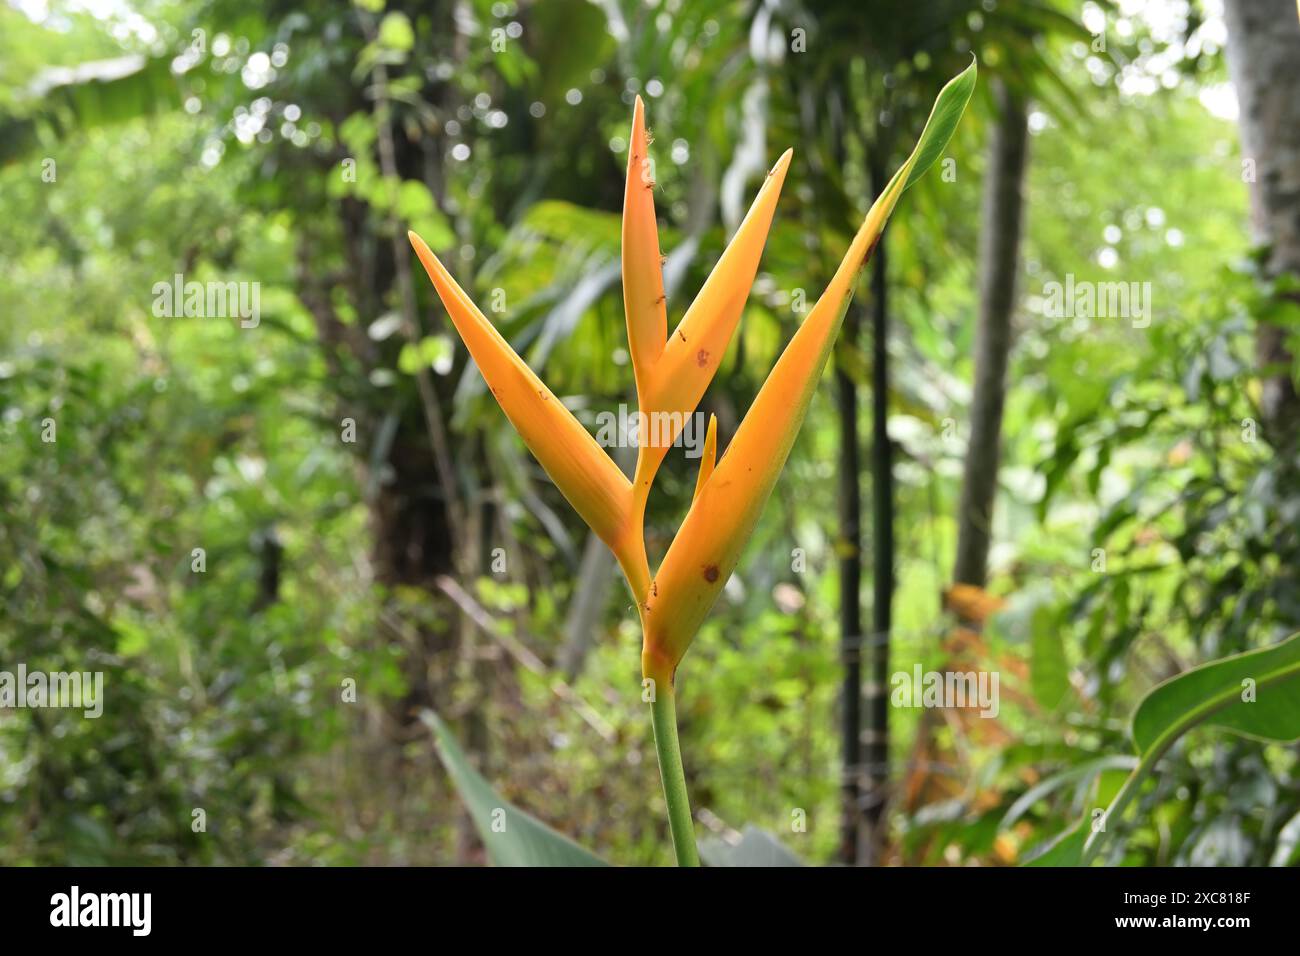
{"x":876,"y":737}
{"x":850,"y":600}
{"x":999,"y":256}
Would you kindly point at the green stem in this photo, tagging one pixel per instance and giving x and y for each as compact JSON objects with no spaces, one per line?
{"x":663,"y":716}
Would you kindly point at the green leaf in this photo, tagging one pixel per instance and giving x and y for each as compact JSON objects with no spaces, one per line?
{"x":395,"y":32}
{"x":568,"y":37}
{"x":88,"y":95}
{"x":429,"y":352}
{"x":1255,"y":694}
{"x":512,"y":837}
{"x":948,"y":107}
{"x":1083,"y":773}
{"x":414,"y":200}
{"x":1213,"y":694}
{"x":1065,"y":849}
{"x":756,"y":848}
{"x":358,"y":132}
{"x":1049,"y":673}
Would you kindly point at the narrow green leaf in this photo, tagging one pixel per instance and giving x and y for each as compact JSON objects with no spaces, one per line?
{"x":1084,"y":772}
{"x":512,"y":837}
{"x":1066,"y":849}
{"x":948,"y":107}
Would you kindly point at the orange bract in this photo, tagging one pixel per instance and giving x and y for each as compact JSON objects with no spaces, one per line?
{"x":672,"y":373}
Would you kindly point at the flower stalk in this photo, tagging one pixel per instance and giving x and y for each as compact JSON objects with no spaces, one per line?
{"x":663,"y":718}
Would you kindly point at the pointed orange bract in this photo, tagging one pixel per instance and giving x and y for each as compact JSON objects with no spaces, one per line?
{"x":587,"y":477}
{"x":725,"y":510}
{"x":643,"y":278}
{"x":679,"y":377}
{"x":709,"y":458}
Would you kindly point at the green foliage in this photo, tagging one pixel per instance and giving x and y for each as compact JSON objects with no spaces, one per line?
{"x":1065,"y":850}
{"x":512,"y":837}
{"x":1253,"y":693}
{"x":175,"y":433}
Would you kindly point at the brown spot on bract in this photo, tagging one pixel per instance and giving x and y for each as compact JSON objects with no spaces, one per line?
{"x":711,"y":573}
{"x":545,"y":397}
{"x":702,"y":358}
{"x":870,"y":249}
{"x":680,"y":335}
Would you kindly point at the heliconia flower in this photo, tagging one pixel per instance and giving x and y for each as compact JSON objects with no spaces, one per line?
{"x":729,"y":500}
{"x":672,"y":373}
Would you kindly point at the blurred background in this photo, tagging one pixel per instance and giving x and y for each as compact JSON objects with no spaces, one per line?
{"x":283,"y":533}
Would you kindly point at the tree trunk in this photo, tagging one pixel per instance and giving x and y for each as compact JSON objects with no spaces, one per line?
{"x":846,"y":391}
{"x":999,"y":256}
{"x":1264,"y":61}
{"x":413,"y":544}
{"x":876,"y":736}
{"x":596,"y":579}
